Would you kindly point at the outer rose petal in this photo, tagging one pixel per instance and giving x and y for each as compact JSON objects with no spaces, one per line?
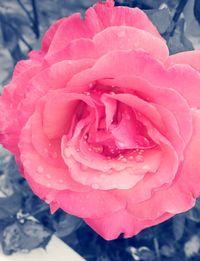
{"x":109,"y":16}
{"x":184,"y":188}
{"x":110,"y":39}
{"x":191,"y":165}
{"x":98,"y":18}
{"x":93,"y":204}
{"x":111,"y":226}
{"x":190,"y":57}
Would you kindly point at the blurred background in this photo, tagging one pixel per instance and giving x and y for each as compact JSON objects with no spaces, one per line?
{"x":25,"y":221}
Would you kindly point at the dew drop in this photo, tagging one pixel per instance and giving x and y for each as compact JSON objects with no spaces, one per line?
{"x":48,"y":176}
{"x":85,"y":137}
{"x":40,"y":169}
{"x":146,"y":167}
{"x":67,"y":153}
{"x":124,"y":160}
{"x":140,"y":152}
{"x":60,"y":181}
{"x":121,"y":33}
{"x":98,"y":149}
{"x":87,"y":93}
{"x":130,"y":157}
{"x":91,"y":85}
{"x":105,"y":168}
{"x":90,"y":149}
{"x":95,"y":186}
{"x":139,"y":158}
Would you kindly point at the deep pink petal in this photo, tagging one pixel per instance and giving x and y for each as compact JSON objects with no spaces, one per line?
{"x":82,"y":204}
{"x":110,"y":39}
{"x":111,"y":226}
{"x":191,"y":165}
{"x":109,"y":16}
{"x":40,"y":169}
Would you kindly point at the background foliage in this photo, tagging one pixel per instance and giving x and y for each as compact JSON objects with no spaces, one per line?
{"x":25,"y":221}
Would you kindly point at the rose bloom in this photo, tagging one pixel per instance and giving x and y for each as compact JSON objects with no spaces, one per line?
{"x":104,"y":124}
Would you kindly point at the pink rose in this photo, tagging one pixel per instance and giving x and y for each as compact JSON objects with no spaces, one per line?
{"x":104,"y":123}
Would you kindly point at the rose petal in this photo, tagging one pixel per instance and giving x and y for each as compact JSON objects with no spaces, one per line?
{"x":39,"y":169}
{"x":117,"y":16}
{"x":189,"y":58}
{"x":82,"y":204}
{"x":111,"y":226}
{"x":110,"y":39}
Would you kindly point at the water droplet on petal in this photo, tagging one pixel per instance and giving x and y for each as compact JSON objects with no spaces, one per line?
{"x":98,"y":149}
{"x":67,"y":153}
{"x":95,"y":186}
{"x":85,"y":136}
{"x":121,"y":33}
{"x":105,"y":169}
{"x":91,"y":85}
{"x":48,"y":176}
{"x":139,"y":158}
{"x":146,"y":167}
{"x":40,"y":169}
{"x":60,"y":181}
{"x":130,"y":157}
{"x":124,"y":160}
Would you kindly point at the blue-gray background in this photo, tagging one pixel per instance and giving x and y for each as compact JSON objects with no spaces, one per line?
{"x":25,"y":221}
